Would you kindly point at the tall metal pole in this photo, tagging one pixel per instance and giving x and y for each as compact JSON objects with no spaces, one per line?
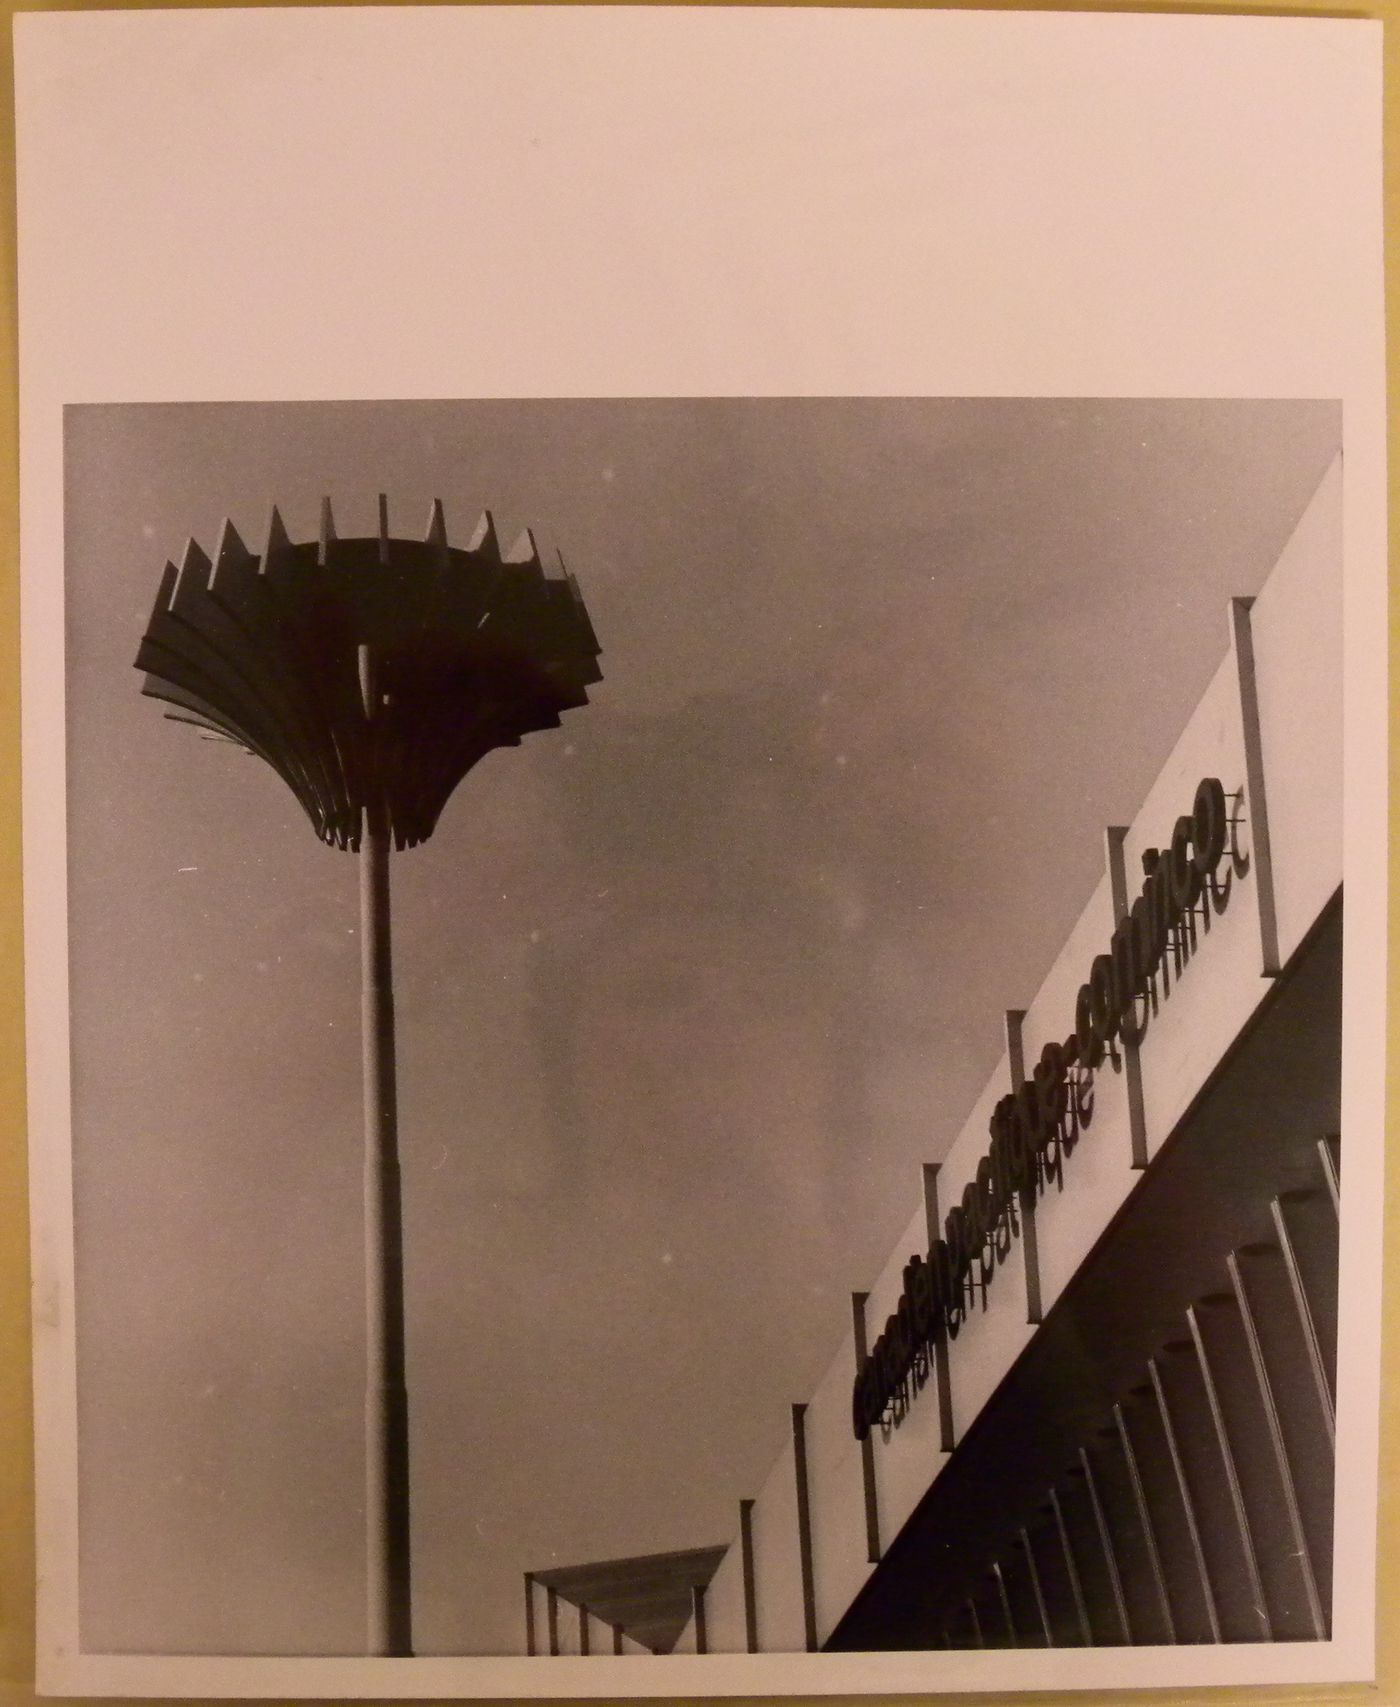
{"x":388,"y":1604}
{"x":259,"y":651}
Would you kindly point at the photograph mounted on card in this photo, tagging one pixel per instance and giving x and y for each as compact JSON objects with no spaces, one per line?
{"x":702,"y":981}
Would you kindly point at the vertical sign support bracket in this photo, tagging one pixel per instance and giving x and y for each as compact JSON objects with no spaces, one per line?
{"x":1114,"y":837}
{"x":867,"y":1445}
{"x":804,"y":1526}
{"x":1256,"y":801}
{"x":1016,"y":1061}
{"x":942,"y":1375}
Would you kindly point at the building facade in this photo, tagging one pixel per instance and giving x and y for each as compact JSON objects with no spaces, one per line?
{"x":1091,"y":1397}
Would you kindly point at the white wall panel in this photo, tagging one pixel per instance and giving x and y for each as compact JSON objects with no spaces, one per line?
{"x":1094,"y":1182}
{"x":995,"y":1333}
{"x":1297,"y":627}
{"x":836,"y":1491}
{"x":724,"y":1604}
{"x":1099,"y":1173}
{"x":1223,"y":982}
{"x":540,"y":1611}
{"x":568,"y":1627}
{"x":1297,"y":638}
{"x":907,"y":1461}
{"x":777,"y":1563}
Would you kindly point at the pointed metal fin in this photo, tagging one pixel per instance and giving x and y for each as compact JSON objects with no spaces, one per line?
{"x":524,"y":550}
{"x":193,"y":578}
{"x":169,"y":575}
{"x":278,"y":544}
{"x":436,"y":532}
{"x":483,"y":537}
{"x":231,"y":556}
{"x":231,"y":548}
{"x":195,"y":560}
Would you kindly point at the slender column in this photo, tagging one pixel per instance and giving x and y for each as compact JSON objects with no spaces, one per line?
{"x":1005,"y":1600}
{"x":388,"y":1615}
{"x":1034,"y":1571}
{"x":1188,"y":1503}
{"x":1076,"y":1589}
{"x":1144,"y":1517}
{"x":1292,"y":1510}
{"x":750,"y":1588}
{"x":1306,"y":1321}
{"x":1110,"y":1556}
{"x":804,"y":1525}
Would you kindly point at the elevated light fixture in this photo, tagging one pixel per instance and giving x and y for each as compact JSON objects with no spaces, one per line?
{"x":372,"y":674}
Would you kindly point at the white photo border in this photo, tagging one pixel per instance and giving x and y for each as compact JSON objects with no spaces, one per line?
{"x":633,"y":254}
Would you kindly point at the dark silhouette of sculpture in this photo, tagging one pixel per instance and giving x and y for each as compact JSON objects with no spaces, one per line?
{"x":372,"y":674}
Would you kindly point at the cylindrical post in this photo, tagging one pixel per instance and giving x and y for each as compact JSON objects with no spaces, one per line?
{"x":388,"y":1609}
{"x":257,"y":684}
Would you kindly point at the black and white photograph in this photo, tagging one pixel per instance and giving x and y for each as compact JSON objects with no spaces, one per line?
{"x":704,"y":741}
{"x":736,"y":773}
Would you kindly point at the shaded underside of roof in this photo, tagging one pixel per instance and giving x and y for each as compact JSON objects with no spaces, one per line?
{"x":648,"y":1597}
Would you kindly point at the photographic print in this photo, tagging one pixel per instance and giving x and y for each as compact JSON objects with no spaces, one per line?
{"x":705,"y":956}
{"x":716,"y":867}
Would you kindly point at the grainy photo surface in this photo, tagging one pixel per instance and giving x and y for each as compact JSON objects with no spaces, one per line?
{"x":822,"y":1191}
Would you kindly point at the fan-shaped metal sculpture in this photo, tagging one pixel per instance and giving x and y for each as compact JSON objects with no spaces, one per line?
{"x":372,"y":674}
{"x":471,"y":650}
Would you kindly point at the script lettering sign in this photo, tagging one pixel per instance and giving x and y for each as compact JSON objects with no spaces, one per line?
{"x":1035,"y":1129}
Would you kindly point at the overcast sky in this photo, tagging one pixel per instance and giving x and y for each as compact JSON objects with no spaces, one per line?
{"x":687,"y":988}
